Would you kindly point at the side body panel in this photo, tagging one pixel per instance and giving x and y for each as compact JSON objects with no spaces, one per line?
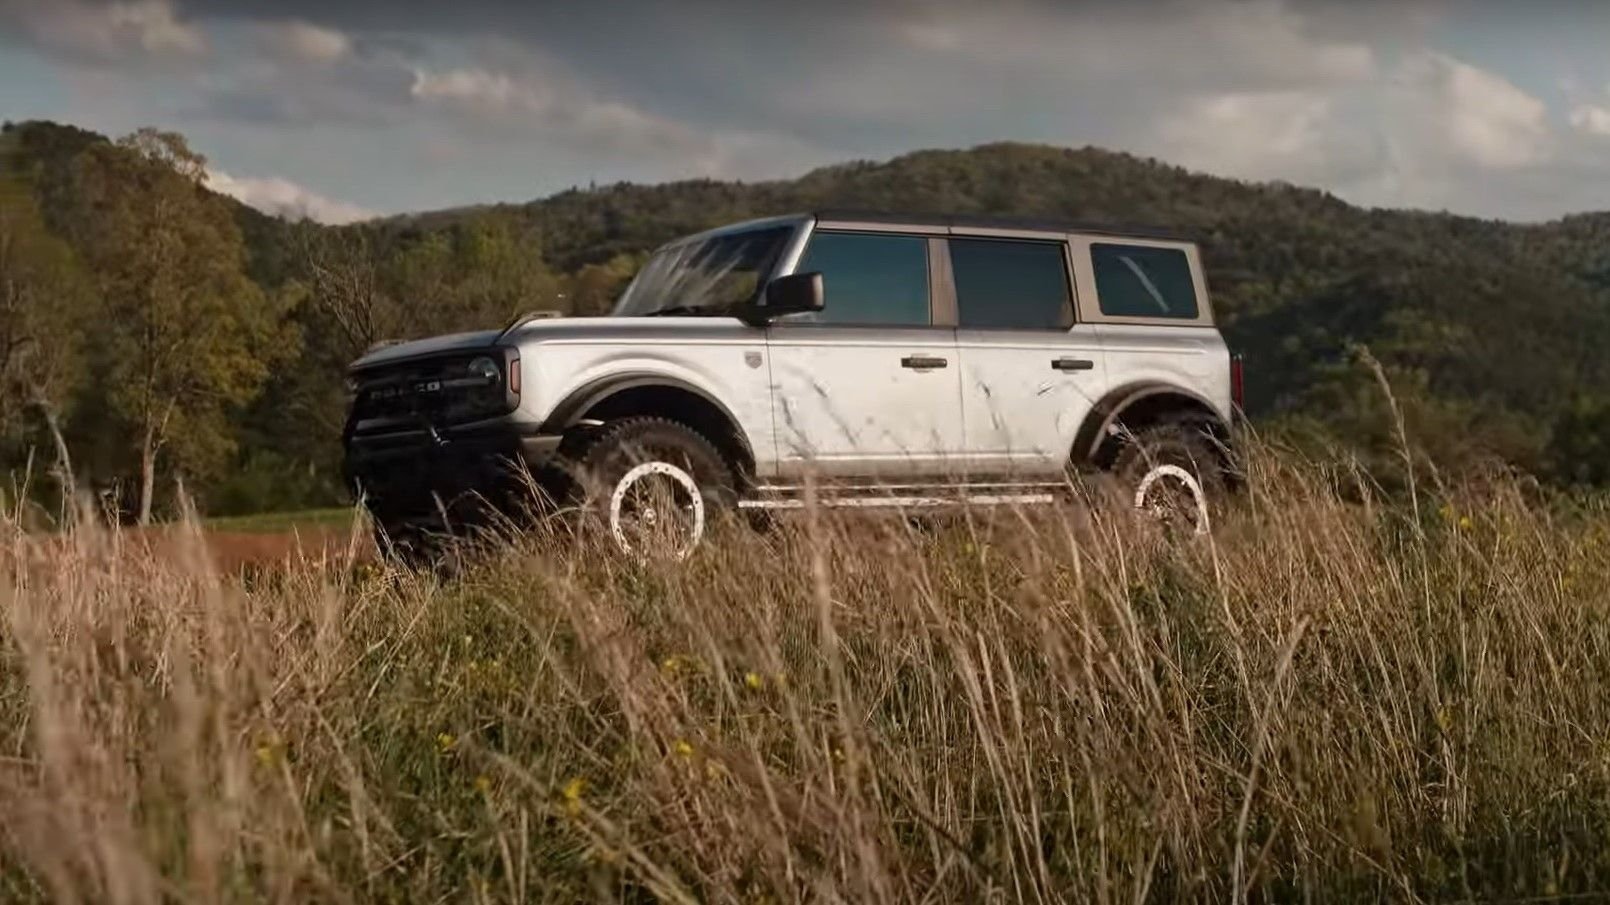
{"x":1193,"y":359}
{"x":723,"y":359}
{"x":1188,"y":354}
{"x":846,"y":403}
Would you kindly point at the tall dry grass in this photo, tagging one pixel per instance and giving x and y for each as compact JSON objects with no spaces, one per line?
{"x":1327,"y":698}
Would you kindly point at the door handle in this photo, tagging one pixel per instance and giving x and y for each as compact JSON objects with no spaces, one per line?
{"x":1072,"y":364}
{"x":922,"y":362}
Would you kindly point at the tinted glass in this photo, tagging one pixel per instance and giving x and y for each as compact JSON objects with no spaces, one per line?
{"x":714,"y":276}
{"x":1010,"y":284}
{"x":869,"y":279}
{"x":1143,"y":281}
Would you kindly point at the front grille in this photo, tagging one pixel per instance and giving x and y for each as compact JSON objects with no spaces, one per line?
{"x":434,"y":392}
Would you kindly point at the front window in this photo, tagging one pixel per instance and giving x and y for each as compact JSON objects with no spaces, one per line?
{"x":869,"y":278}
{"x":711,"y":277}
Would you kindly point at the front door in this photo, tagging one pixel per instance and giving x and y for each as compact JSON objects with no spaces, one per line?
{"x":868,"y":385}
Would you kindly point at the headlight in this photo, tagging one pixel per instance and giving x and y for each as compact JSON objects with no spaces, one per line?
{"x":486,"y":369}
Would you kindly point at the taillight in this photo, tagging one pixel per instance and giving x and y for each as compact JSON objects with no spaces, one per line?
{"x":1237,"y":383}
{"x":514,"y":375}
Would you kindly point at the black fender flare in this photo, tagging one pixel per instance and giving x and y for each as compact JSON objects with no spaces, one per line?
{"x":584,"y":398}
{"x":1093,"y":432}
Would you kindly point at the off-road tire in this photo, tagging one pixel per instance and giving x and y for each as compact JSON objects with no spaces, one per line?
{"x":621,"y":446}
{"x":409,"y":546}
{"x":1182,"y":443}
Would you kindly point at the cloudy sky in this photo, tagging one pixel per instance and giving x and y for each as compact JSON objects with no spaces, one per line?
{"x":342,"y":108}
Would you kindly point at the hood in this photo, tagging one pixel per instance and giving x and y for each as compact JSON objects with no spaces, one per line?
{"x":622,"y":329}
{"x":628,"y":329}
{"x":434,"y":345}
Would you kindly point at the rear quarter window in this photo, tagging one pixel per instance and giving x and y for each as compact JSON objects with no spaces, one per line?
{"x":1143,"y":281}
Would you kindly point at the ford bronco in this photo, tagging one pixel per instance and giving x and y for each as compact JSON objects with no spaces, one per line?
{"x":890,"y":361}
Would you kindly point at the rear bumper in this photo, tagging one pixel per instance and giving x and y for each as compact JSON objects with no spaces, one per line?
{"x":412,"y":472}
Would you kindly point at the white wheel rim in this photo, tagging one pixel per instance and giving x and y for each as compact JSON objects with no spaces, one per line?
{"x":1184,"y":477}
{"x":617,"y":500}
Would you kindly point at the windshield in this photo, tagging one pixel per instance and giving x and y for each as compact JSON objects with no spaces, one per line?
{"x":712,"y":276}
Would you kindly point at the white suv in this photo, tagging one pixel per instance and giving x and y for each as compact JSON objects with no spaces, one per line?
{"x":893,"y":361}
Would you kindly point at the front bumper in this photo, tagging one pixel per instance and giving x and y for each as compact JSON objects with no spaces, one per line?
{"x":420,"y":471}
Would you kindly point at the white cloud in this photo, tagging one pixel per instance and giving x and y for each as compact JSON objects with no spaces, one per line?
{"x":1592,"y":119}
{"x":1590,"y":116}
{"x":1432,"y":131}
{"x":537,"y":106}
{"x":561,"y":109}
{"x":106,"y":32}
{"x":1250,"y":134}
{"x":284,"y":198}
{"x":1485,"y":117}
{"x":306,"y":42}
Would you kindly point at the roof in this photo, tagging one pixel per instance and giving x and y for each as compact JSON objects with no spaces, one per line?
{"x":984,"y":221}
{"x":948,"y":221}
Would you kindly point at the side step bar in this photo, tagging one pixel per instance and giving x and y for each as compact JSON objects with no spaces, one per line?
{"x":870,"y":498}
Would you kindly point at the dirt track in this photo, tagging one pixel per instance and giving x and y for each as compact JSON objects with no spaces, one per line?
{"x":231,"y":551}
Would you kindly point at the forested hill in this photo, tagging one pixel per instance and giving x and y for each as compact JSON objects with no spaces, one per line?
{"x":1493,"y":335}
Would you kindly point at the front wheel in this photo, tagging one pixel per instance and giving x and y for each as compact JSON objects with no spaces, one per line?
{"x":656,"y":485}
{"x":1175,"y":473}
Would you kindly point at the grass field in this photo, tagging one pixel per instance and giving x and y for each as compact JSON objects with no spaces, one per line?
{"x":285,"y":522}
{"x":1336,"y":696}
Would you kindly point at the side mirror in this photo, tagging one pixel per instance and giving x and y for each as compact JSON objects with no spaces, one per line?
{"x":790,"y":295}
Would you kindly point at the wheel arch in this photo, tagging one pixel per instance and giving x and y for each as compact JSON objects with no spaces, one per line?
{"x":648,"y":393}
{"x":1136,"y":406}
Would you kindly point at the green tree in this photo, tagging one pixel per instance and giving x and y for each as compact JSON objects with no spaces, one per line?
{"x":593,"y":290}
{"x":43,"y":295}
{"x":185,"y":334}
{"x":1579,"y":451}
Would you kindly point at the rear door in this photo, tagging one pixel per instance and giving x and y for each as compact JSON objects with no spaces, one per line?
{"x":869,"y":385}
{"x":1029,"y":372}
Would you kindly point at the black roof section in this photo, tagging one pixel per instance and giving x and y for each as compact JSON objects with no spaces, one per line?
{"x":985,"y":221}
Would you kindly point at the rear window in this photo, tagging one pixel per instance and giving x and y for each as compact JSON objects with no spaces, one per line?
{"x":1008,"y":284}
{"x":1143,"y":281}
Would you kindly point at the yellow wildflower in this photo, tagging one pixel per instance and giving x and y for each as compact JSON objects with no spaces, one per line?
{"x":682,"y":748}
{"x":572,"y":793}
{"x":483,"y":784}
{"x":754,"y":681}
{"x":1464,"y":523}
{"x":677,"y":664}
{"x":445,"y":742}
{"x":267,"y":755}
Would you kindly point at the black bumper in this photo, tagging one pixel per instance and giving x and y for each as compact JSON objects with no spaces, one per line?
{"x":416,"y":472}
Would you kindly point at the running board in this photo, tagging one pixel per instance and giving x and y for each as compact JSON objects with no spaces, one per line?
{"x":905,"y":502}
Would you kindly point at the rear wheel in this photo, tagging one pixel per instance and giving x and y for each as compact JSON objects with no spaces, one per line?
{"x":656,"y":485}
{"x":1174,"y":472}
